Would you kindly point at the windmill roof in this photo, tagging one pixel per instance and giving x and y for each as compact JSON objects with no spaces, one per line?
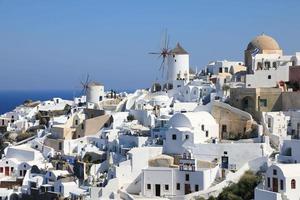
{"x":95,"y":84}
{"x":179,"y":50}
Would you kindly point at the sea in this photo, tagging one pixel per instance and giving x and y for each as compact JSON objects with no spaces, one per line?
{"x":11,"y":99}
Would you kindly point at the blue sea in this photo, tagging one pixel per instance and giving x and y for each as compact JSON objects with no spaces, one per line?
{"x":10,"y":99}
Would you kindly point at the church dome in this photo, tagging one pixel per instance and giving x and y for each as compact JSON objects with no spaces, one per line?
{"x":263,"y":42}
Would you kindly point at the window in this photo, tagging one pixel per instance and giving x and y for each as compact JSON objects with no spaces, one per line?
{"x":206,"y":133}
{"x":148,"y":186}
{"x":21,"y":173}
{"x":259,"y":65}
{"x":267,"y":65}
{"x":174,"y":137}
{"x":269,"y":122}
{"x":186,"y":137}
{"x":281,"y":184}
{"x":196,"y":188}
{"x":60,"y":189}
{"x":263,"y":102}
{"x":293,"y":184}
{"x":269,"y":182}
{"x":60,"y":146}
{"x":226,"y":69}
{"x":178,"y":186}
{"x":82,"y":126}
{"x":1,"y":169}
{"x":274,"y":64}
{"x":166,"y":187}
{"x":269,"y":76}
{"x":11,"y":169}
{"x":187,"y":177}
{"x":220,"y":70}
{"x":202,"y":127}
{"x":274,"y":172}
{"x":178,"y":86}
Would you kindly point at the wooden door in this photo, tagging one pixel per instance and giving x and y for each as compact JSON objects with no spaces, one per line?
{"x":275,"y":184}
{"x":187,"y":188}
{"x":6,"y":171}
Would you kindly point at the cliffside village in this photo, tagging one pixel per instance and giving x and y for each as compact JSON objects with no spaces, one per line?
{"x":187,"y":136}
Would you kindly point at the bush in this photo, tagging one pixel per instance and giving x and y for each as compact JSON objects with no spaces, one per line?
{"x":243,"y":190}
{"x":130,"y":118}
{"x":23,"y":136}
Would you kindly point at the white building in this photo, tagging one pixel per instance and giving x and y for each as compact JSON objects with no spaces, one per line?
{"x":276,"y":123}
{"x":224,"y":66}
{"x":195,"y":91}
{"x":281,"y":182}
{"x":94,"y":93}
{"x":191,"y":127}
{"x":269,"y":70}
{"x":289,"y":152}
{"x":178,"y":65}
{"x":170,"y":181}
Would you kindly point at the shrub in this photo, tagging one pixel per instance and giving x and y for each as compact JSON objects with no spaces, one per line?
{"x":130,"y":118}
{"x":243,"y":190}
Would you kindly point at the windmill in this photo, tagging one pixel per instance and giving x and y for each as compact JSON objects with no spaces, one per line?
{"x":85,"y":85}
{"x":164,"y":52}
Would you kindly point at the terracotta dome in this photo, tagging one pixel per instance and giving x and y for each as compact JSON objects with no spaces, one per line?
{"x":263,"y":42}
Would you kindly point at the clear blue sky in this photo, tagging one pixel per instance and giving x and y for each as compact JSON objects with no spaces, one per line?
{"x":53,"y":44}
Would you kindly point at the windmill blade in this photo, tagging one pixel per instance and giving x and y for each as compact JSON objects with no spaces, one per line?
{"x":87,"y":79}
{"x":154,"y":52}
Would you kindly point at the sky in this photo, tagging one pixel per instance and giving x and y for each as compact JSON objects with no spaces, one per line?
{"x":54,"y":44}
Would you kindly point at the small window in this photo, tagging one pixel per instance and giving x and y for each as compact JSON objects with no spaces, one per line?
{"x":187,"y":177}
{"x":263,"y":102}
{"x":60,"y":189}
{"x":267,"y":65}
{"x":196,"y":187}
{"x":21,"y":174}
{"x":269,"y":77}
{"x":202,"y":127}
{"x":274,"y":64}
{"x":76,"y":122}
{"x":166,"y":187}
{"x":174,"y":137}
{"x":1,"y":169}
{"x":148,"y":186}
{"x":293,"y":184}
{"x":269,"y":122}
{"x":206,"y":133}
{"x":60,"y":146}
{"x":11,"y":169}
{"x":186,"y":137}
{"x":178,"y":186}
{"x":269,"y":182}
{"x":82,"y":126}
{"x":226,"y":69}
{"x":274,"y":172}
{"x":281,"y":184}
{"x":220,"y":70}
